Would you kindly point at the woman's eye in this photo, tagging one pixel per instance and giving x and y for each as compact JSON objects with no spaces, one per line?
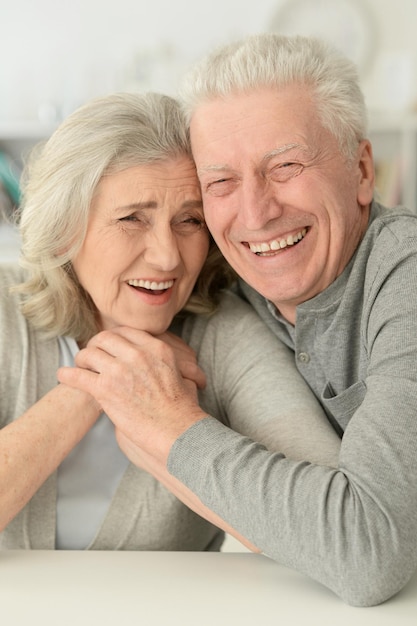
{"x":132,"y":222}
{"x":133,"y":219}
{"x":189,"y":225}
{"x":129,"y":218}
{"x":285,"y":171}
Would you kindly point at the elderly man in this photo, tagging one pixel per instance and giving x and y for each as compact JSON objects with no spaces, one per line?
{"x":278,"y":130}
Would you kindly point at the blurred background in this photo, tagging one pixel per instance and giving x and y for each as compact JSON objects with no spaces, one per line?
{"x":56,"y":54}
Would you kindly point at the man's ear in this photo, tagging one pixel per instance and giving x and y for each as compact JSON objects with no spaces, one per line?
{"x":366,"y":182}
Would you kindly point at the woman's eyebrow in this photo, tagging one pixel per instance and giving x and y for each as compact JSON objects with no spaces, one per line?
{"x":136,"y":206}
{"x":192,"y":204}
{"x":152,"y":204}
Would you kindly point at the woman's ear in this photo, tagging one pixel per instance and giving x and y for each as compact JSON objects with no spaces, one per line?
{"x":366,"y":181}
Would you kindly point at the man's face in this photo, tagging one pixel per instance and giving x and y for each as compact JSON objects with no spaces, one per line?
{"x":283,"y":205}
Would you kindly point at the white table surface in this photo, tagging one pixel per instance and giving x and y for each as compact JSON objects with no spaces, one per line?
{"x":63,"y":588}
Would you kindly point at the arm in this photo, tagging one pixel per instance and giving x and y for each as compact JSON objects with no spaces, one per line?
{"x":33,"y":446}
{"x":254,"y":387}
{"x":33,"y":441}
{"x":148,"y":463}
{"x":354,"y":527}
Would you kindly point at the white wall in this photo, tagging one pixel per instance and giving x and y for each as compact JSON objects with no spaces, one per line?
{"x":57,"y":53}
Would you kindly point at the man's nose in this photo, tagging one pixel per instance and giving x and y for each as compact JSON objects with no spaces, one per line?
{"x":259,"y":204}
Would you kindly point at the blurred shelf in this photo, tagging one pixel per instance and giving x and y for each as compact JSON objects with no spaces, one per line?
{"x":393,"y":135}
{"x":394,"y":140}
{"x":392,"y":122}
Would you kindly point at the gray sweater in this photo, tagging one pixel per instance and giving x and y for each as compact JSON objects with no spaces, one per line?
{"x":239,"y":355}
{"x":353,"y":528}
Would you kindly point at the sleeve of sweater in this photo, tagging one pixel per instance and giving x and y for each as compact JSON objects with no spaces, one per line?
{"x":353,"y":528}
{"x":28,"y":361}
{"x":254,"y":387}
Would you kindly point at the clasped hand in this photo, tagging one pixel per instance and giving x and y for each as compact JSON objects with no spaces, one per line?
{"x":146,"y":385}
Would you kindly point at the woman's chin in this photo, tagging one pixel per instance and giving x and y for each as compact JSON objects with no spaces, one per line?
{"x":153,"y":323}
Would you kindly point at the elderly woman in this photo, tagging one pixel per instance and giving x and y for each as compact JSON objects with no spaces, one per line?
{"x":113,"y":237}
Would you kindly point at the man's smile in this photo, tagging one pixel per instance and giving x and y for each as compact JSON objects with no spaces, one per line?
{"x":277,"y":244}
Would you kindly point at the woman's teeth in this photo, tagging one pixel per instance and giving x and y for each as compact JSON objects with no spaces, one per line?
{"x":277,"y":244}
{"x":151,"y":285}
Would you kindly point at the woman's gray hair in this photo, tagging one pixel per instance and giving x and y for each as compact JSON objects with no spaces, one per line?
{"x":270,"y":60}
{"x":106,"y":135}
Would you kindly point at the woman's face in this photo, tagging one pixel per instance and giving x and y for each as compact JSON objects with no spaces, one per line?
{"x":145,"y":245}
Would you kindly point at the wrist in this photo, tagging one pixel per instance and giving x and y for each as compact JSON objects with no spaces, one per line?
{"x":175,"y":429}
{"x":84,"y":401}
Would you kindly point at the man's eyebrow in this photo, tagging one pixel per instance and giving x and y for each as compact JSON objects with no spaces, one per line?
{"x":269,"y":155}
{"x":283,"y":150}
{"x":213,"y":168}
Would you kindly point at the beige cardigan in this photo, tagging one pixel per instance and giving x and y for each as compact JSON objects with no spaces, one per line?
{"x":143,"y":515}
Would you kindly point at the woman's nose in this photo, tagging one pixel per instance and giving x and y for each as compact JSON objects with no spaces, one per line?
{"x":162,"y":250}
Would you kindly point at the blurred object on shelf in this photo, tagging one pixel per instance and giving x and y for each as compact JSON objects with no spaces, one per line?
{"x":9,"y":179}
{"x":6,"y":204}
{"x":395,"y":75}
{"x":350,"y":25}
{"x":394,"y":144}
{"x":156,"y":68}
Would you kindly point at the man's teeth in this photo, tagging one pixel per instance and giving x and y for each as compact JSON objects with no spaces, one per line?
{"x":277,"y":244}
{"x":151,"y":285}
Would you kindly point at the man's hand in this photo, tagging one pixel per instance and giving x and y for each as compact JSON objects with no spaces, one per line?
{"x":139,"y":384}
{"x":186,"y":359}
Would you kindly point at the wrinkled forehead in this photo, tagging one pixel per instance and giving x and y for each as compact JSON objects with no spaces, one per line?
{"x":244,"y":124}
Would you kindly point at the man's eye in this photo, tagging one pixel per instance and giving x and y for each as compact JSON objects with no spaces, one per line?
{"x":217,"y":183}
{"x":220,"y":186}
{"x":285,"y":171}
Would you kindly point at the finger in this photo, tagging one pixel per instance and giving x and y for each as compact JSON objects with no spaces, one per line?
{"x":192,"y":372}
{"x":186,"y":359}
{"x":83,"y":379}
{"x":177,"y":344}
{"x":140,"y":348}
{"x":117,"y":339}
{"x":94,"y":359}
